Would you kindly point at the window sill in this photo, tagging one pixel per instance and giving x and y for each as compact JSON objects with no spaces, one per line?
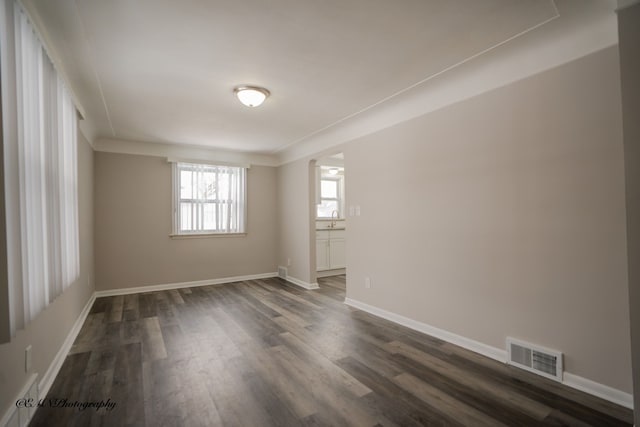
{"x":204,"y":235}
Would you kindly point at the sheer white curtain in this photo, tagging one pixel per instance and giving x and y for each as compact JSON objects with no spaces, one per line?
{"x":44,"y":147}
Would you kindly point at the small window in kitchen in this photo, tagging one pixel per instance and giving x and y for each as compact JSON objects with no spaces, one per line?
{"x":331,"y":189}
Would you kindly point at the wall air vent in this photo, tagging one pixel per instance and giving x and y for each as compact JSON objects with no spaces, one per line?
{"x":282,"y":272}
{"x":539,"y":360}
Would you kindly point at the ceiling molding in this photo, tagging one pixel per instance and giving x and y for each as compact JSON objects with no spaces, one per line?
{"x":536,"y":51}
{"x":140,"y":78}
{"x":94,"y":69}
{"x":88,"y":131}
{"x":623,"y":4}
{"x":159,"y":149}
{"x":567,"y":31}
{"x":429,"y":77}
{"x":540,"y":49}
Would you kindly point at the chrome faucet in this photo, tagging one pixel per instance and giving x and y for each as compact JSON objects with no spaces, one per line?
{"x":333,"y":220}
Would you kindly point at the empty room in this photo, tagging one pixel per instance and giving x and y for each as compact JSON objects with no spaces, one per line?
{"x":340,"y":213}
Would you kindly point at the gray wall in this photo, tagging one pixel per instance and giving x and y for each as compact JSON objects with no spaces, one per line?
{"x":47,"y":332}
{"x":134,"y":219}
{"x":629,"y":32}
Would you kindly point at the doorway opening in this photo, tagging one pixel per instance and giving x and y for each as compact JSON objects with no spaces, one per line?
{"x":330,"y":221}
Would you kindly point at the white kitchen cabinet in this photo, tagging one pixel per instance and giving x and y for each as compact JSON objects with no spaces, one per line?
{"x":330,"y":250}
{"x":337,"y":253}
{"x":322,"y":254}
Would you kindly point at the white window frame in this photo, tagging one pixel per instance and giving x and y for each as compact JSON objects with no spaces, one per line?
{"x":339,"y":199}
{"x":177,"y":232}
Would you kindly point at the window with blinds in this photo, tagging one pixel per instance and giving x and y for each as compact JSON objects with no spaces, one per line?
{"x":209,"y":199}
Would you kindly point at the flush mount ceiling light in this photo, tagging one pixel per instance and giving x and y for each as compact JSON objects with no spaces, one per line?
{"x":333,"y":171}
{"x":251,"y":96}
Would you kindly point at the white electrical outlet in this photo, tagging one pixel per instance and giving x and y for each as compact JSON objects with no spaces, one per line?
{"x":27,"y":359}
{"x":288,"y":262}
{"x":367,"y":283}
{"x":357,"y":210}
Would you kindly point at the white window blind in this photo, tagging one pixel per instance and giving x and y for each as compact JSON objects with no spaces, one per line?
{"x":209,"y":198}
{"x":45,"y":124}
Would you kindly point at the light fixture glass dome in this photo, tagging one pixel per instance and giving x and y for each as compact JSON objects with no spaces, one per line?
{"x":251,"y":96}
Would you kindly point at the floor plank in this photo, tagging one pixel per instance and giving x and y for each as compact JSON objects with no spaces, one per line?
{"x":265,"y":352}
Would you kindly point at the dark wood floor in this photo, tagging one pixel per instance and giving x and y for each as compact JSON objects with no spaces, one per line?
{"x":264,"y":352}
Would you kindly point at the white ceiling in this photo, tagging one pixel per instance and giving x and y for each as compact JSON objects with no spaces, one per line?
{"x":164,"y":72}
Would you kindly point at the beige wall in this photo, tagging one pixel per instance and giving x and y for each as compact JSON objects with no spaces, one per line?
{"x":133,"y":223}
{"x":47,"y":332}
{"x":294,"y":217}
{"x":502,"y":215}
{"x":506,"y":217}
{"x":629,"y":28}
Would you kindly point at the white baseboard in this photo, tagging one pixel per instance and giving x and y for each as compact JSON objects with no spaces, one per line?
{"x":302,"y":283}
{"x":56,"y":364}
{"x":13,"y":414}
{"x":167,"y":286}
{"x":19,"y":417}
{"x":574,"y":381}
{"x":329,"y":273}
{"x":600,"y":390}
{"x":478,"y":347}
